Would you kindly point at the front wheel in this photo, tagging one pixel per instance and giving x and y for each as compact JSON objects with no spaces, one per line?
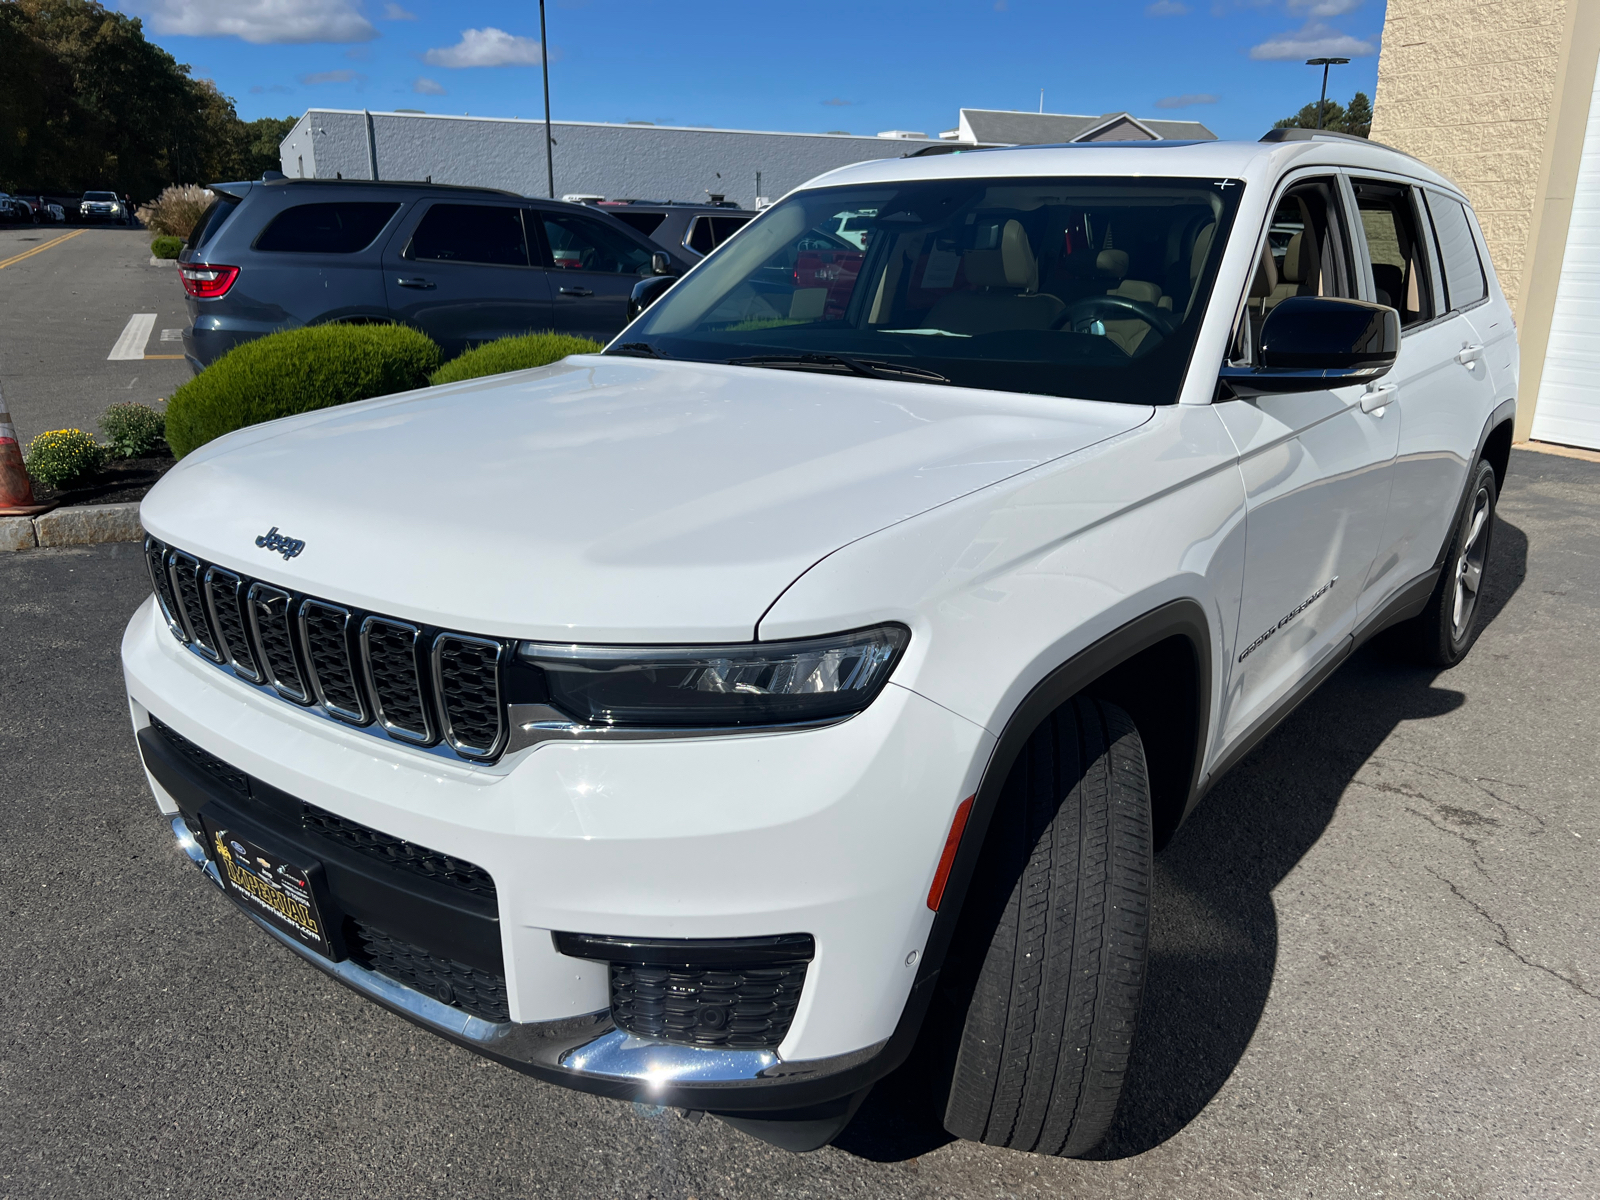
{"x":1048,"y":1033}
{"x":1448,"y":627}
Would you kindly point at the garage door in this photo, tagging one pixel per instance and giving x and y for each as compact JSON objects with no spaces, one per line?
{"x":1569,"y":394}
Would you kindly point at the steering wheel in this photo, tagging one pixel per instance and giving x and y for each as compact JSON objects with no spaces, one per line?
{"x":1095,"y":308}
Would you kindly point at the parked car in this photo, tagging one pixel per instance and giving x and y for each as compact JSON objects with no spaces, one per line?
{"x":14,"y":208}
{"x":55,"y":212}
{"x":690,"y":230}
{"x":30,"y":208}
{"x":103,"y":206}
{"x":819,"y":666}
{"x":464,"y":265}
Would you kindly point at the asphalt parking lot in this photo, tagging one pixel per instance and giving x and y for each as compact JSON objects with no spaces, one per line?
{"x":63,"y":309}
{"x":1376,"y":970}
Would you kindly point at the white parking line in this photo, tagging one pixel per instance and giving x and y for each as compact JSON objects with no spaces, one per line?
{"x":136,"y":333}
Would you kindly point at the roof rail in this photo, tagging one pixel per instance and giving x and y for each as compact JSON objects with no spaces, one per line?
{"x":1292,"y":133}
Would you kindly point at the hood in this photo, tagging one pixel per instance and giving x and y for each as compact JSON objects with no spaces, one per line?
{"x":601,"y":498}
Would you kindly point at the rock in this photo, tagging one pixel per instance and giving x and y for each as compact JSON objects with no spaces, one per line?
{"x":16,"y":533}
{"x":89,"y":523}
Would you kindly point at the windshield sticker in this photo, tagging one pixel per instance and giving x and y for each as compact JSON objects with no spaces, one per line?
{"x":1289,"y":616}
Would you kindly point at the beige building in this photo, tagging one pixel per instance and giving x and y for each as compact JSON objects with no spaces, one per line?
{"x":1501,"y":95}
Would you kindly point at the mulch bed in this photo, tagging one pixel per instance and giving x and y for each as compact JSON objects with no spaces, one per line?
{"x":124,"y":479}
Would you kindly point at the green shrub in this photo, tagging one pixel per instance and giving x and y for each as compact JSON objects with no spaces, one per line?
{"x":63,"y":457}
{"x":132,"y":429}
{"x":166,"y":246}
{"x":512,"y":354}
{"x":296,"y":371}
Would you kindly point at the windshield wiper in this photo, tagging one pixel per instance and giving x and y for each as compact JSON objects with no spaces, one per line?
{"x":866,"y":367}
{"x":637,"y":350}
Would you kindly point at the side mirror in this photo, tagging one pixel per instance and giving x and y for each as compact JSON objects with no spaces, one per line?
{"x":1309,"y":343}
{"x":660,"y":263}
{"x":647,"y":291}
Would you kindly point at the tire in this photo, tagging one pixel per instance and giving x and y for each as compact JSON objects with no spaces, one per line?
{"x":1447,"y":628}
{"x":1047,"y":1036}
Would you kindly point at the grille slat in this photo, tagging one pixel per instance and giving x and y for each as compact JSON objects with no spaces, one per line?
{"x":391,"y":651}
{"x":473,"y":991}
{"x":269,"y":621}
{"x":466,"y":674}
{"x":223,"y":596}
{"x":746,"y":1007}
{"x":186,"y":582}
{"x":155,"y":559}
{"x":325,"y":630}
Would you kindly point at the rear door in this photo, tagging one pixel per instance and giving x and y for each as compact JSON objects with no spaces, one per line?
{"x":312,"y":263}
{"x":593,"y":267}
{"x":460,"y":271}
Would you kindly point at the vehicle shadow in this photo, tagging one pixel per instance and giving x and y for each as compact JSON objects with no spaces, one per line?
{"x":1214,"y":929}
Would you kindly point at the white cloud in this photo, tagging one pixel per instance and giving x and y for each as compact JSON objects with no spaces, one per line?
{"x":1315,"y":40}
{"x":393,"y":12}
{"x":259,"y":90}
{"x":261,"y":22}
{"x":1185,"y":100}
{"x":333,"y":77}
{"x":1166,"y":8}
{"x":486,"y":48}
{"x":1323,"y":8}
{"x":427,"y":87}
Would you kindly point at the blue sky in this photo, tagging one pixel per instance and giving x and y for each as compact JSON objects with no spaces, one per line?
{"x":862,"y":67}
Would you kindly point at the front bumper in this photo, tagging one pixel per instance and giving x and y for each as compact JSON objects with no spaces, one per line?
{"x":833,"y":832}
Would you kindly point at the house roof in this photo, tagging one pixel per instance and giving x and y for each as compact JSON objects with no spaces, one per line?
{"x":996,"y":127}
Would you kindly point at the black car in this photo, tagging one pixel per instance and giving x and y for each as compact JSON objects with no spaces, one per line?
{"x":691,"y":230}
{"x":464,"y":265}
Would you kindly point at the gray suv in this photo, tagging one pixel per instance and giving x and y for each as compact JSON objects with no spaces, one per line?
{"x":464,"y":265}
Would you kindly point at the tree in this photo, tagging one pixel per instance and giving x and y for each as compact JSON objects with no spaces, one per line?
{"x":1357,"y":119}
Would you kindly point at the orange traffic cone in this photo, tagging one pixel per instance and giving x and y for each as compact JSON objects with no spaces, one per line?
{"x":16,"y":489}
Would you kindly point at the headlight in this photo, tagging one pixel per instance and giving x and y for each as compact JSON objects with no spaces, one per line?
{"x":753,"y":683}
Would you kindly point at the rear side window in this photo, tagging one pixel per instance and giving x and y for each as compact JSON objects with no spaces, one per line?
{"x":645,"y":222}
{"x":579,"y":243}
{"x":326,"y":228}
{"x":471,"y":233}
{"x":211,"y":220}
{"x":1464,"y":282}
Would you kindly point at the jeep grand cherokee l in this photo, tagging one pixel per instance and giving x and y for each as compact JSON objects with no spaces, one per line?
{"x":835,"y":648}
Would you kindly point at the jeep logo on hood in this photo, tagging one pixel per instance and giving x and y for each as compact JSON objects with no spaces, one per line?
{"x":287,"y":546}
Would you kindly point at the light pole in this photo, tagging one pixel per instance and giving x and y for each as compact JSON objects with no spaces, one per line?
{"x":1324,"y":63}
{"x":544,"y":65}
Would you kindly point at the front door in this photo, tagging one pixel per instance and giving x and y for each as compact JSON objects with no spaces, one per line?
{"x":1316,"y":470}
{"x":461,"y":273}
{"x":593,"y":269}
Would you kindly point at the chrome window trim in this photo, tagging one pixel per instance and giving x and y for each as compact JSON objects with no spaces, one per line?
{"x":349,"y":716}
{"x":260,"y":588}
{"x":429,"y":734}
{"x":447,"y":728}
{"x":176,"y":560}
{"x":209,"y":591}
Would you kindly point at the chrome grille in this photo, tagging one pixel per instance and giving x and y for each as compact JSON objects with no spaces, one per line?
{"x":269,"y":621}
{"x":224,"y":595}
{"x":325,"y":630}
{"x":391,"y":650}
{"x":419,"y":686}
{"x":185,"y":572}
{"x":466,"y":676}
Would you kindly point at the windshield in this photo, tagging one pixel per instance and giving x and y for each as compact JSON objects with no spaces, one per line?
{"x":100,"y":196}
{"x":1079,"y":286}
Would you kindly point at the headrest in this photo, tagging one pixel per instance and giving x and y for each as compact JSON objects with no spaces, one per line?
{"x":1293,"y":268}
{"x":1112,"y":262}
{"x":1266,"y":277}
{"x":1136,"y":289}
{"x":1012,"y":265}
{"x":1202,"y":247}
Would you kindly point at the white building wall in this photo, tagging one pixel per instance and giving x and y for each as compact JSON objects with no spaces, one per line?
{"x":640,"y":161}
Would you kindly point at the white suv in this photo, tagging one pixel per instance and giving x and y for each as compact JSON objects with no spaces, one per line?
{"x":688,"y":722}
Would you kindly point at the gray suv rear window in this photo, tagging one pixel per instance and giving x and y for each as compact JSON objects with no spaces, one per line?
{"x":1463,"y":272}
{"x":326,"y":228}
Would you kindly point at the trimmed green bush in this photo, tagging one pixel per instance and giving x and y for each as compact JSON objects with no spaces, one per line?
{"x":133,"y":430}
{"x":296,"y":371}
{"x":166,"y":246}
{"x":63,"y":457}
{"x":512,"y":354}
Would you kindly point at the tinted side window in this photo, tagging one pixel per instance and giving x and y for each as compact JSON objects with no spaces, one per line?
{"x":211,"y":220}
{"x":473,"y":233}
{"x":723,"y":228}
{"x":1304,"y":255}
{"x":701,"y":238}
{"x":1464,"y":283}
{"x":1397,"y":253}
{"x":326,"y":228}
{"x":579,"y":243}
{"x":645,"y":222}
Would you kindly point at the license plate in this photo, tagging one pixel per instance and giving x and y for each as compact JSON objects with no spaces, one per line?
{"x":277,"y":891}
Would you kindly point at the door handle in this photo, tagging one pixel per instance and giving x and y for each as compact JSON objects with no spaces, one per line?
{"x":1469,"y":354}
{"x":576,"y":291}
{"x":416,"y":283}
{"x":1376,"y":399}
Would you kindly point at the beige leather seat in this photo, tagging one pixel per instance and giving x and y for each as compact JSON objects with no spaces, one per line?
{"x":1299,"y":272}
{"x":1128,"y":333}
{"x":1005,"y":295}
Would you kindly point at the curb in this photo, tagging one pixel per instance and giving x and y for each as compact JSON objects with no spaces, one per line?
{"x":84,"y":525}
{"x":161,"y":262}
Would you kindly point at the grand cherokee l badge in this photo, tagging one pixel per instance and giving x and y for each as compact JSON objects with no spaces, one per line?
{"x":287,"y":546}
{"x":1289,"y":616}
